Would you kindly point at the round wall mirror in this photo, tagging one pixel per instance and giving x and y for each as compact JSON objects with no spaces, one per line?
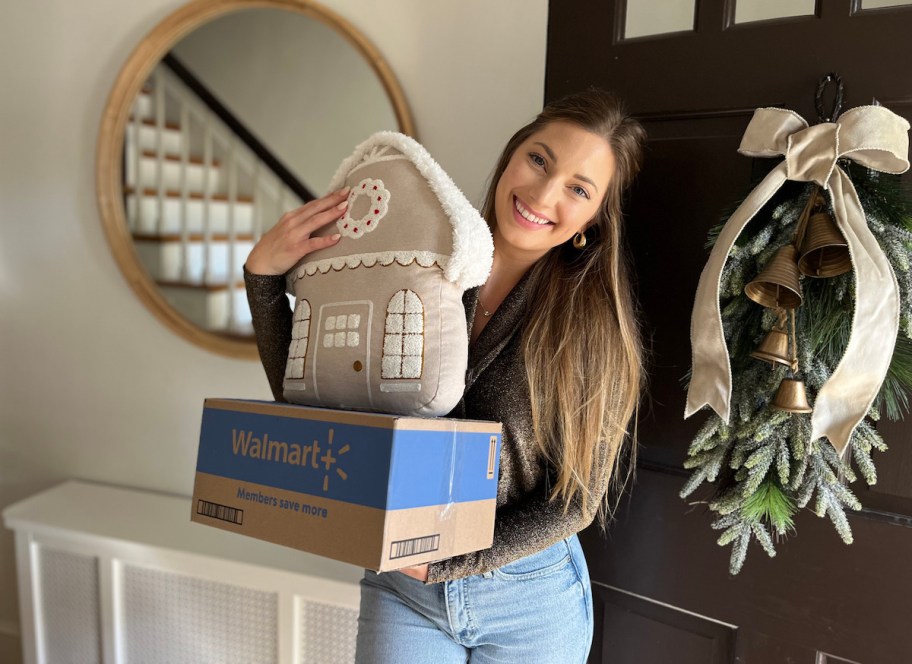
{"x":226,"y":115}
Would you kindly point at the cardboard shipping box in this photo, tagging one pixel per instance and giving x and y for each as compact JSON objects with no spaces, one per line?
{"x":378,"y":491}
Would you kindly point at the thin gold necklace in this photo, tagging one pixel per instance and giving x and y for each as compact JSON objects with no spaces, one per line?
{"x":484,"y":309}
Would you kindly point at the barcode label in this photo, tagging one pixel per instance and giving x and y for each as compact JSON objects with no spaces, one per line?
{"x":222,"y":512}
{"x":412,"y":547}
{"x":492,"y":459}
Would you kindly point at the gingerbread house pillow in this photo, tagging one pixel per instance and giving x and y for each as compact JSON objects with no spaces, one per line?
{"x":379,"y":323}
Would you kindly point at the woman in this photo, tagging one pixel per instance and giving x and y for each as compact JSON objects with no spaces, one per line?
{"x":554,"y":355}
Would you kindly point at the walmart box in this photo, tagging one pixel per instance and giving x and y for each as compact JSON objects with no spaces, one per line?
{"x":378,"y":491}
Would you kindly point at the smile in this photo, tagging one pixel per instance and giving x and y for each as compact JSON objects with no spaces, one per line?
{"x":528,"y":216}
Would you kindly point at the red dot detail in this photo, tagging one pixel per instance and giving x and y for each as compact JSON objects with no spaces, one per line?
{"x":346,"y":225}
{"x":356,"y":229}
{"x":368,"y":223}
{"x":364,"y":185}
{"x":375,"y":187}
{"x":376,"y":211}
{"x":379,"y":198}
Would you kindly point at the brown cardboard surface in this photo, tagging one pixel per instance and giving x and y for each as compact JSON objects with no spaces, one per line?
{"x":378,"y":420}
{"x":462,"y":527}
{"x":454,"y":529}
{"x":324,"y":537}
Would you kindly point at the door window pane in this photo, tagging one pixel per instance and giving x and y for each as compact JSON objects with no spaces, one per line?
{"x":877,"y":4}
{"x":300,"y":333}
{"x":656,"y":17}
{"x":403,"y":339}
{"x":763,"y":10}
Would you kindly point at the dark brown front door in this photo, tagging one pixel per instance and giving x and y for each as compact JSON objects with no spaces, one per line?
{"x":662,"y":588}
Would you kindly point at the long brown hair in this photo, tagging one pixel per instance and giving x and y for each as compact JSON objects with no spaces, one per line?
{"x":581,"y":343}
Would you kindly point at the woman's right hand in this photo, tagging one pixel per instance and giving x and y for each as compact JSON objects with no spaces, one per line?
{"x":291,"y":239}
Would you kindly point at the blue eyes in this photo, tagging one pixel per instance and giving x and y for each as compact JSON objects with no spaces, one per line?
{"x":540,"y":162}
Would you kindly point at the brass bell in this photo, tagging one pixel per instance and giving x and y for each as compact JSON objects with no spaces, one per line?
{"x":774,"y":348}
{"x":777,"y":285}
{"x":824,"y":252}
{"x":792,"y":397}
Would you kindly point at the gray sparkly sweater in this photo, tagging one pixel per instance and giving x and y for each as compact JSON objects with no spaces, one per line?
{"x":526,"y":521}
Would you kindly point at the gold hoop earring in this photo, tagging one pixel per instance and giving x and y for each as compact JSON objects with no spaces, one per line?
{"x":579,"y":241}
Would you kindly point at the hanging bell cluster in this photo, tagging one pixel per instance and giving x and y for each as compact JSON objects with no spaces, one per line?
{"x":779,"y":347}
{"x":819,"y":251}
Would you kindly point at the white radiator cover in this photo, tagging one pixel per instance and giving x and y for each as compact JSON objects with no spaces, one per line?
{"x":116,"y":575}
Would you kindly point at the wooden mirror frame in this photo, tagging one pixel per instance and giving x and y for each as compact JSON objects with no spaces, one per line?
{"x":109,"y":167}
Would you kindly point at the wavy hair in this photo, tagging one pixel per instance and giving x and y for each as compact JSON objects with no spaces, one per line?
{"x":582,"y":344}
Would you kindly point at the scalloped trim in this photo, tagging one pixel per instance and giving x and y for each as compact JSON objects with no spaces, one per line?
{"x":384,"y":258}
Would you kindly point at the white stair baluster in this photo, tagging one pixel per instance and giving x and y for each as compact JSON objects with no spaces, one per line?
{"x":160,"y":148}
{"x":256,"y":225}
{"x":134,"y":220}
{"x":232,"y":166}
{"x":207,"y":203}
{"x":275,"y":192}
{"x":184,"y":191}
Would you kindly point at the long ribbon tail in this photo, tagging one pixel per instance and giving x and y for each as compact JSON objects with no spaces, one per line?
{"x":847,"y":396}
{"x":711,"y":380}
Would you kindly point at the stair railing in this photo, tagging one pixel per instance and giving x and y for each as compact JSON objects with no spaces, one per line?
{"x":225,"y":157}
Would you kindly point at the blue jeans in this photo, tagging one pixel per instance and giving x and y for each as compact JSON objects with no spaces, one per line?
{"x":537,"y":609}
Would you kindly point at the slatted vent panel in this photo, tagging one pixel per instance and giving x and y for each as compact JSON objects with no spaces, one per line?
{"x":70,"y":609}
{"x":327,"y":634}
{"x":175,"y":618}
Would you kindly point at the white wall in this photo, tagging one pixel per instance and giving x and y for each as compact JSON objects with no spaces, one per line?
{"x":91,"y":384}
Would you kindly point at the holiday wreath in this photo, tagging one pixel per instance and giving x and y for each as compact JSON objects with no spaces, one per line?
{"x":807,"y":294}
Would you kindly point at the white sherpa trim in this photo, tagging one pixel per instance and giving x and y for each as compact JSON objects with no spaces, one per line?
{"x":404,"y":258}
{"x":473,"y":247}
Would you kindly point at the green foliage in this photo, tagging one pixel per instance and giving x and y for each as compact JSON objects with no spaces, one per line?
{"x":770,"y":503}
{"x":763,"y":463}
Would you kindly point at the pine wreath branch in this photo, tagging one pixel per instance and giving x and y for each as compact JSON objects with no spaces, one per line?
{"x":763,"y":463}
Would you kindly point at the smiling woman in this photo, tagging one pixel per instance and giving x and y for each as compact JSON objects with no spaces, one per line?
{"x":211,"y":132}
{"x":555,"y":356}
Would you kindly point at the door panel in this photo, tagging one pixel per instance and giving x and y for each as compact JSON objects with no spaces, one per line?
{"x":632,"y":628}
{"x":818,"y":600}
{"x":341,"y":366}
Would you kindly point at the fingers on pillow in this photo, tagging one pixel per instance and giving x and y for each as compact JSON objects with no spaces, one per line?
{"x":303,"y":233}
{"x":334,"y":199}
{"x":323,"y":218}
{"x":317,"y":243}
{"x":317,"y":213}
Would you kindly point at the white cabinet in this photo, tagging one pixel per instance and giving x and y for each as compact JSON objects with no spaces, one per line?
{"x":116,"y":575}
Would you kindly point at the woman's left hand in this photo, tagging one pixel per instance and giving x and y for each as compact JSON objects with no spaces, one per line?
{"x":419,"y":572}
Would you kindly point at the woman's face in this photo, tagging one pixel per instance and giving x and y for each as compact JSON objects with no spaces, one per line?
{"x":552,"y":187}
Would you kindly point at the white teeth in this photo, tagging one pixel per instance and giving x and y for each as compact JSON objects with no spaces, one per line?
{"x":528,"y":215}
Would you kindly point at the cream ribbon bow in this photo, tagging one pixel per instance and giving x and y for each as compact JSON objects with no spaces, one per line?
{"x":874,"y":137}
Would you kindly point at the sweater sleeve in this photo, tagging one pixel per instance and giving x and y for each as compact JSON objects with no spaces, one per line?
{"x":528,"y":526}
{"x":272,"y":319}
